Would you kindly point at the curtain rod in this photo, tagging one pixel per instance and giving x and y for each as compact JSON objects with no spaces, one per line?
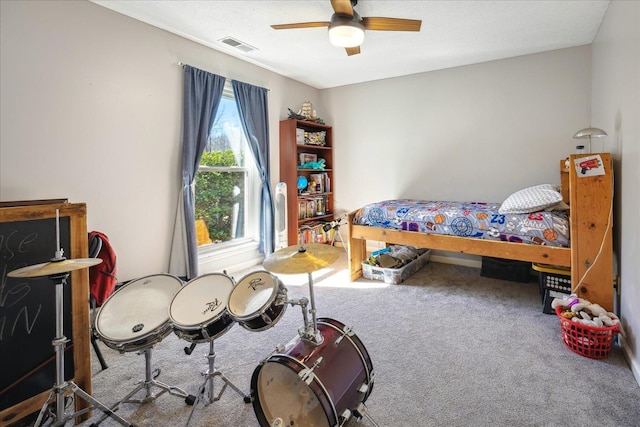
{"x":182,"y":64}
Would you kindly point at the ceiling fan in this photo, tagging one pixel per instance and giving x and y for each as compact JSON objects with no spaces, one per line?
{"x":346,"y":28}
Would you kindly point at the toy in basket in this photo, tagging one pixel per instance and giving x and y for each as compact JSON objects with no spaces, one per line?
{"x":587,"y":329}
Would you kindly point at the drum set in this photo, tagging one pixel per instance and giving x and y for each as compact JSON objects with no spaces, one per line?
{"x":322,"y":377}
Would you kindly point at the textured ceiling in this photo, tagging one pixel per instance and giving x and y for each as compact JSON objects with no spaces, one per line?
{"x":454,"y":33}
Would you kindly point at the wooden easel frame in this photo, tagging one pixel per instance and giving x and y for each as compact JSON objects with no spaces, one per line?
{"x":77,"y":213}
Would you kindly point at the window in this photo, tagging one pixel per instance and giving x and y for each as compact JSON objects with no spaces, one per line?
{"x":226,"y":184}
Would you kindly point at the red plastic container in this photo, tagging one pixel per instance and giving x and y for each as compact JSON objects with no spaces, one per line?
{"x":589,"y":341}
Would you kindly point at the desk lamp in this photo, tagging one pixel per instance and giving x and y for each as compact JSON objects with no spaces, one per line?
{"x":588,"y":133}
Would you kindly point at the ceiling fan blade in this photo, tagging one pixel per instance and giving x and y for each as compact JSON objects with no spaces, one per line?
{"x":300,"y":25}
{"x":342,"y":7}
{"x":352,"y":50}
{"x":391,"y":24}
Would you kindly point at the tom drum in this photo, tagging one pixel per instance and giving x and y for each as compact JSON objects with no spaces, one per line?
{"x":311,"y":384}
{"x":258,"y":301}
{"x":199,"y":310}
{"x":136,"y":316}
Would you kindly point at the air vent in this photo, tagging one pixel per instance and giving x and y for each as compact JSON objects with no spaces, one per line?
{"x":237,"y":44}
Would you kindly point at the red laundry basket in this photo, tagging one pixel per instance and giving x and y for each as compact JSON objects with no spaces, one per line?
{"x":589,"y":341}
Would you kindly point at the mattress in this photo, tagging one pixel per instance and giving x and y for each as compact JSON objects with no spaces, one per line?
{"x":477,"y":220}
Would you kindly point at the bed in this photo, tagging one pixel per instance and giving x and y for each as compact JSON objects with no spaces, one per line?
{"x":586,"y":248}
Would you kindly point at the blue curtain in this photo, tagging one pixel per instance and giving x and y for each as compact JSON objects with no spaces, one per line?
{"x":201,"y":98}
{"x":254,"y":114}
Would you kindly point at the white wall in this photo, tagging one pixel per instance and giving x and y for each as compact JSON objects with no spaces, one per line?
{"x":477,"y":132}
{"x":91,"y":111}
{"x":616,"y":109}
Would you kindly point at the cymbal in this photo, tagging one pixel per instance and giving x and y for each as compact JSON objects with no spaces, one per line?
{"x":301,"y":258}
{"x":54,"y":267}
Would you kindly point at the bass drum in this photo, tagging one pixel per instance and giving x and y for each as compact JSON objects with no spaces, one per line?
{"x":199,"y":310}
{"x":308,"y":384}
{"x":136,"y":316}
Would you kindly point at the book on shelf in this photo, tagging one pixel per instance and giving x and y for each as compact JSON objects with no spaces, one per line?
{"x":313,"y":232}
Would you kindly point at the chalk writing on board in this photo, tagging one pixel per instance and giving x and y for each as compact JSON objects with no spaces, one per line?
{"x":26,"y":316}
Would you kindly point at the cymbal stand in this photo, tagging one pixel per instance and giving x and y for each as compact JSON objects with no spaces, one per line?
{"x":308,"y":332}
{"x":209,"y":376}
{"x":147,"y":384}
{"x":61,"y":386}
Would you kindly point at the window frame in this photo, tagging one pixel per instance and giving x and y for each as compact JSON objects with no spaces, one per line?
{"x":244,"y":249}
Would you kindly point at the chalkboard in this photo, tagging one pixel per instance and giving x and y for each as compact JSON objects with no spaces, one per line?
{"x":28,"y":310}
{"x":28,"y":306}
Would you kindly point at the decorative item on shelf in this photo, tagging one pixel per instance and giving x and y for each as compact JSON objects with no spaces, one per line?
{"x":589,"y":132}
{"x":319,"y":165}
{"x":302,"y":183}
{"x":306,"y":113}
{"x":307,"y":110}
{"x":320,"y":206}
{"x":317,"y":182}
{"x":296,"y":116}
{"x":308,"y":158}
{"x":315,"y":138}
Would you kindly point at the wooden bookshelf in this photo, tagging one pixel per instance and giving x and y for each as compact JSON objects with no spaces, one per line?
{"x":297,"y":143}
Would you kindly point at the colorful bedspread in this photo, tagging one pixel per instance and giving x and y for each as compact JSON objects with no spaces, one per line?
{"x":467,"y":219}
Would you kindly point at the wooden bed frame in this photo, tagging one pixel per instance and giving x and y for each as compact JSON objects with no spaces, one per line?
{"x":590,"y":256}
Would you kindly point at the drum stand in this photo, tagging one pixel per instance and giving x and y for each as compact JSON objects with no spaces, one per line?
{"x":147,"y":384}
{"x":61,"y":386}
{"x":209,"y":376}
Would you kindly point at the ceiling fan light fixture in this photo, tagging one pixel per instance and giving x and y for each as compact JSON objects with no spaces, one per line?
{"x":346,"y":34}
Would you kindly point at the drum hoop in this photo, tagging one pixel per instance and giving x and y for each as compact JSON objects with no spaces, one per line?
{"x":131,"y":282}
{"x":315,"y":378}
{"x":272,"y":298}
{"x":202,"y":325}
{"x":160,"y":328}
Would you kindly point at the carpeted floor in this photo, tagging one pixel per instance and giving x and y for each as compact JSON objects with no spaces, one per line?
{"x":448,"y":348}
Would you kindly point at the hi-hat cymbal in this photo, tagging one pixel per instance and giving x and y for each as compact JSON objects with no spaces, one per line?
{"x":54,"y":267}
{"x":301,"y":258}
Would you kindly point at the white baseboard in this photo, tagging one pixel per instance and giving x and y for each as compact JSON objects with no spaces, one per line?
{"x":466,"y":262}
{"x":635,"y":369}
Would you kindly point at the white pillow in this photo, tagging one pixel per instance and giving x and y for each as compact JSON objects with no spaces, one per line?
{"x":560,"y":206}
{"x":531,"y":199}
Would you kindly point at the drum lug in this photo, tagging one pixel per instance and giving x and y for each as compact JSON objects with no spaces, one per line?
{"x":364,"y":388}
{"x":266,"y":318}
{"x":359,"y":410}
{"x":307,"y":375}
{"x":346,"y":331}
{"x":345,"y":416}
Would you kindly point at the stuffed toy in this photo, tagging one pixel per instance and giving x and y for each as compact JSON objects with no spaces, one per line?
{"x":319,"y":165}
{"x":582,"y":311}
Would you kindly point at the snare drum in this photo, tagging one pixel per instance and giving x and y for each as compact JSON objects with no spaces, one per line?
{"x":136,"y":316}
{"x":312,"y":384}
{"x":199,"y":310}
{"x":258,"y":301}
